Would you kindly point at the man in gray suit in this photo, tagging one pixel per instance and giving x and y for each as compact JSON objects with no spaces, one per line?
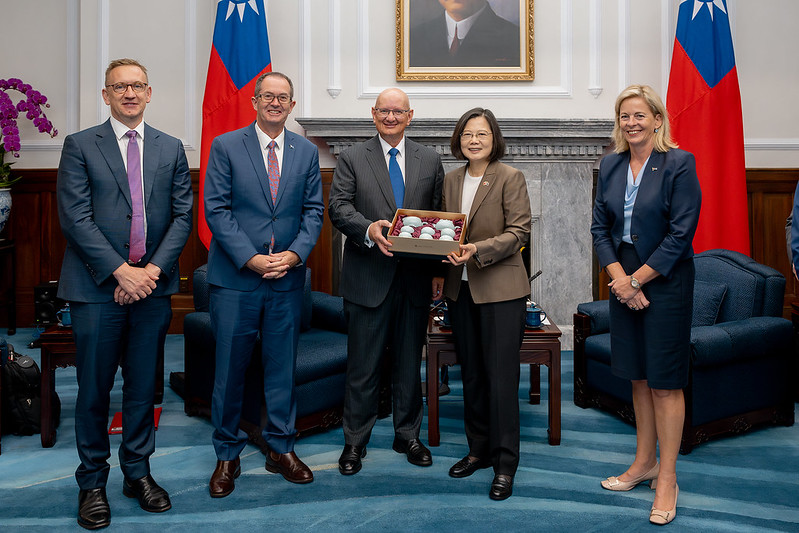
{"x":124,"y":202}
{"x":386,"y":298}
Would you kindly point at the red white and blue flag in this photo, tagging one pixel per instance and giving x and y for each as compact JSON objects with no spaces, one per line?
{"x":240,"y":53}
{"x":704,"y":105}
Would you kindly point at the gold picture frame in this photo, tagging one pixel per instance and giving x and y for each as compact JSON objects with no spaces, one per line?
{"x":498,"y":45}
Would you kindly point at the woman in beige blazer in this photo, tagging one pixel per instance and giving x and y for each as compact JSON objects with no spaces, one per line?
{"x":486,"y":289}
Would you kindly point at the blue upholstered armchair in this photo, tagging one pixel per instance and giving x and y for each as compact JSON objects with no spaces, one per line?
{"x":741,"y":352}
{"x":321,"y":363}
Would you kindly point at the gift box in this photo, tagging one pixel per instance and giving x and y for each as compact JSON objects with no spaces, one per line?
{"x":414,"y":244}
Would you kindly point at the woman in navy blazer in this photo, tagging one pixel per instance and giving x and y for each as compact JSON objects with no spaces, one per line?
{"x":645,"y":216}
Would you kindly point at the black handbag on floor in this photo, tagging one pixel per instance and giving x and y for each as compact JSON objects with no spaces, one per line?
{"x":22,"y":398}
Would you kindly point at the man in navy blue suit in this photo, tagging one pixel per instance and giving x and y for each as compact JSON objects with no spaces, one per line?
{"x":263,"y":204}
{"x":124,"y":203}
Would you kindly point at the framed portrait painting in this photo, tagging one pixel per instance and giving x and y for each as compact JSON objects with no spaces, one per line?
{"x":453,"y":40}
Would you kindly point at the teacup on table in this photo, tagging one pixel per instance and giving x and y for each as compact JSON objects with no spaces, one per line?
{"x":535,"y":317}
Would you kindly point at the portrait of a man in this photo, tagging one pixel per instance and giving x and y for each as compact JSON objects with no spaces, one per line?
{"x":465,"y":33}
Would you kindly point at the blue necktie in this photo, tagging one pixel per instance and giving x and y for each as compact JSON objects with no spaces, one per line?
{"x":395,"y":174}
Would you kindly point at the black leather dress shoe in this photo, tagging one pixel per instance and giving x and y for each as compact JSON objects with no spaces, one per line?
{"x":501,"y":487}
{"x":350,"y":461}
{"x":152,"y":498}
{"x":417,"y":454}
{"x":93,"y":509}
{"x":467,"y":466}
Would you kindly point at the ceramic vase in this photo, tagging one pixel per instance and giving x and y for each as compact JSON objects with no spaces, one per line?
{"x":5,"y":206}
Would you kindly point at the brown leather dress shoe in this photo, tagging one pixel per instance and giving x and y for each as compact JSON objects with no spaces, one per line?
{"x":289,"y":466}
{"x":222,"y":480}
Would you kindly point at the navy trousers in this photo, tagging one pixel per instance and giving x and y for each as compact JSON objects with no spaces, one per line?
{"x":102,"y":333}
{"x":238,"y":317}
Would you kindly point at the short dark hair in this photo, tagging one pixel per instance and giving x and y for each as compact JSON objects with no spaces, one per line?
{"x":274,"y":73}
{"x":123,"y":62}
{"x":498,"y":141}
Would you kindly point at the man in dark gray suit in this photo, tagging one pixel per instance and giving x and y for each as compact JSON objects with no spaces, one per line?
{"x":124,"y":202}
{"x":386,"y":298}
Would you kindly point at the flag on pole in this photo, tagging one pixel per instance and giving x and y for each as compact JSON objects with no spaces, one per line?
{"x":704,"y":105}
{"x":239,"y":54}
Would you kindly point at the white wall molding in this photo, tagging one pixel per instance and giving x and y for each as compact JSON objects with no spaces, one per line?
{"x":624,"y":44}
{"x":305,"y":55}
{"x":191,"y":103}
{"x":595,"y":48}
{"x":368,"y":91}
{"x":334,"y":48}
{"x":758,"y":144}
{"x":103,"y":44}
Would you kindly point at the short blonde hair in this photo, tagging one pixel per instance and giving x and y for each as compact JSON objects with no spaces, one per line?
{"x":123,"y":62}
{"x":663,"y":140}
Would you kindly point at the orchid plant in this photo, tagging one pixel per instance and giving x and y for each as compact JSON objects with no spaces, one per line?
{"x":31,"y":105}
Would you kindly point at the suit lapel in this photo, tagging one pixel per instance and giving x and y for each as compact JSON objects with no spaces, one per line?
{"x":287,"y":167}
{"x":109,"y":146}
{"x":650,"y":179}
{"x":485,"y":186}
{"x":377,"y":162}
{"x":254,"y":151}
{"x":152,"y":157}
{"x":412,"y":163}
{"x":455,"y":204}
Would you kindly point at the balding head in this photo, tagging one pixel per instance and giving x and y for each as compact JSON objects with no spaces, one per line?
{"x":391,"y":114}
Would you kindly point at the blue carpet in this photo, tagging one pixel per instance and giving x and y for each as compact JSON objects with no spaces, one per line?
{"x":744,"y":483}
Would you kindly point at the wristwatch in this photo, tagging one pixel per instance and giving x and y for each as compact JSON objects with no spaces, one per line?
{"x":634,"y":282}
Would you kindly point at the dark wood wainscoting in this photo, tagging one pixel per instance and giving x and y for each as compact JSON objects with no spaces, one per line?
{"x":40,"y":246}
{"x":770,"y":193}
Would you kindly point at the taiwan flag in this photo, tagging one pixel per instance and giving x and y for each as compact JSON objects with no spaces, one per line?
{"x":240,"y":53}
{"x":704,"y":105}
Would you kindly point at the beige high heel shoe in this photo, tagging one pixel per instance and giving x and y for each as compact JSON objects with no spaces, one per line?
{"x":614,"y":483}
{"x":661,"y":518}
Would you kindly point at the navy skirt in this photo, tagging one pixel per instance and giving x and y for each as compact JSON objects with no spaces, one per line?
{"x":655,"y":343}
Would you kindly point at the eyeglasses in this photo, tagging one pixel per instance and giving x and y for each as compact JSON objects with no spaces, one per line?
{"x":268,"y":98}
{"x":122,"y":88}
{"x":383,"y":113}
{"x":481,"y":135}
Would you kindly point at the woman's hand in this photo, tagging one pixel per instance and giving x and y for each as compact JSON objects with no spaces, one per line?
{"x":639,"y":302}
{"x":622,"y":289}
{"x":466,"y":253}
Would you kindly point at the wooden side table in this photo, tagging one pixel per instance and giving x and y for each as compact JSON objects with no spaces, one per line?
{"x":8,"y":253}
{"x":58,"y":351}
{"x":540,"y":346}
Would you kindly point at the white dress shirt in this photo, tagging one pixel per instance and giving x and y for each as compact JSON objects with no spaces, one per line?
{"x":463,"y":26}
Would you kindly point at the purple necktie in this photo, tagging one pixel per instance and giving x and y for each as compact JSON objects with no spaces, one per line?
{"x":137,"y":244}
{"x":274,"y":180}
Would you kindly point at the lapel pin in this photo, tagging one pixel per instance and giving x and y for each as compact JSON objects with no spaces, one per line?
{"x":485,"y":184}
{"x":654,"y":169}
{"x":291,"y":146}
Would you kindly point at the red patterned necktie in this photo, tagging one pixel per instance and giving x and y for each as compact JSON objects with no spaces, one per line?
{"x":274,"y":180}
{"x":273,"y":170}
{"x":137,"y":241}
{"x":453,"y":48}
